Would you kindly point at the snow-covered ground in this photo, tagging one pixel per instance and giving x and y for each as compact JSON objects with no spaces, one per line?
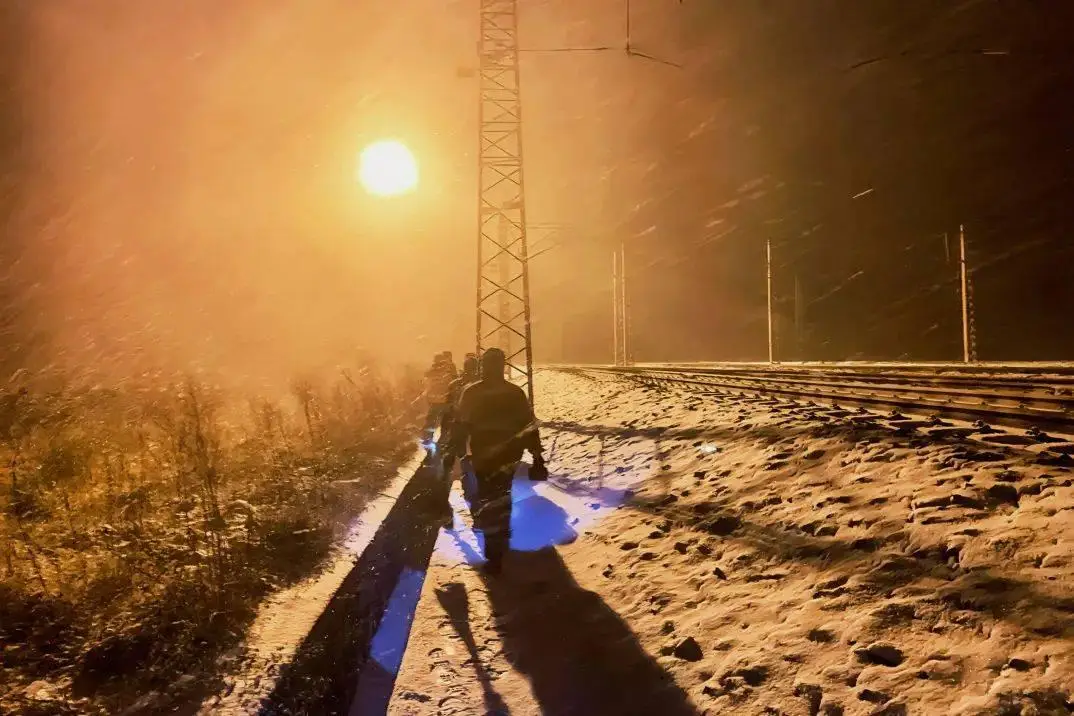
{"x":714,"y":555}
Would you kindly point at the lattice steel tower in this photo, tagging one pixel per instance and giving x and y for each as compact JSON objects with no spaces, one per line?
{"x":503,"y":278}
{"x":503,"y":281}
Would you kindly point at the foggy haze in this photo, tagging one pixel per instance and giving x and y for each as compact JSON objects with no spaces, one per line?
{"x":179,"y":180}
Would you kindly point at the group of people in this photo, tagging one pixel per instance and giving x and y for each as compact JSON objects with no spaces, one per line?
{"x":486,"y":422}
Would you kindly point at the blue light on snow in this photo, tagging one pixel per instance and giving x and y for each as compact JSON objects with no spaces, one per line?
{"x":389,"y":642}
{"x":537,"y":521}
{"x":544,"y":514}
{"x":375,"y":686}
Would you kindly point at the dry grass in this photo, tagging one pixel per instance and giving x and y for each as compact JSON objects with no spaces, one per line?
{"x":141,"y":526}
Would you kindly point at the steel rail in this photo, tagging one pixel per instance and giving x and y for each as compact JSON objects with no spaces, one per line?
{"x":1026,"y":400}
{"x":1043,"y":396}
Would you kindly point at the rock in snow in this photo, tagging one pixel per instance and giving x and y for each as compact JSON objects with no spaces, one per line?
{"x":688,"y":650}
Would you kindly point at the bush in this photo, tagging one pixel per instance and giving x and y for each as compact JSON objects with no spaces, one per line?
{"x":140,"y":527}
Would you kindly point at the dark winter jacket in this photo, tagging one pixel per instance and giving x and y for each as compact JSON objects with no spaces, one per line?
{"x":496,"y":417}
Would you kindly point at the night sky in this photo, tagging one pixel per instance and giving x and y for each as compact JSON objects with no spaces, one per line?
{"x":821,"y":101}
{"x":853,"y":135}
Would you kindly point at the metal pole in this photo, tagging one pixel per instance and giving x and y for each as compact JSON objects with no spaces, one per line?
{"x":771,"y":348}
{"x":523,"y":244}
{"x":965,"y":296}
{"x":615,"y":308}
{"x":798,"y":318}
{"x":624,"y":304}
{"x":503,"y":290}
{"x":481,"y":242}
{"x":501,"y":189}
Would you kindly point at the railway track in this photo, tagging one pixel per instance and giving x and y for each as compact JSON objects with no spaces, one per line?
{"x":1021,"y":396}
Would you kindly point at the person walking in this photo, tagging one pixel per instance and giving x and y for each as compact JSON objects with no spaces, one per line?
{"x":496,"y":418}
{"x":449,"y":364}
{"x":437,"y":381}
{"x":448,"y":445}
{"x":470,"y":374}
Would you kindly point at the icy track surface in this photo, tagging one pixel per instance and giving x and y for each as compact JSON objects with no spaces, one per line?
{"x":711,"y":555}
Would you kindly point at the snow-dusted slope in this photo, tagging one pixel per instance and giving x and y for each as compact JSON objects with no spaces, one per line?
{"x":720,"y":555}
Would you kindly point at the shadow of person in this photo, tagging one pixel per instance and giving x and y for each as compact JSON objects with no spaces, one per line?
{"x":578,"y":654}
{"x":456,"y":605}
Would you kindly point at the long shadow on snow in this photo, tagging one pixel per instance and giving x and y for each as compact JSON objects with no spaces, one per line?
{"x":456,"y":604}
{"x":323,"y":676}
{"x":882,"y":571}
{"x":578,"y":654}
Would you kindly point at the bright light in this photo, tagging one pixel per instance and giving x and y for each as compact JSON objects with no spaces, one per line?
{"x":387,"y":168}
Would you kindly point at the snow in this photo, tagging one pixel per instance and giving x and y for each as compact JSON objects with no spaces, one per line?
{"x":820,"y":561}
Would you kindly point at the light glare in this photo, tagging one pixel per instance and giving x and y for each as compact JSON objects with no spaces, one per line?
{"x":387,"y":168}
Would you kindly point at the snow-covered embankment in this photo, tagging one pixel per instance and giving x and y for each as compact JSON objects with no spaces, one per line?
{"x":765,"y":558}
